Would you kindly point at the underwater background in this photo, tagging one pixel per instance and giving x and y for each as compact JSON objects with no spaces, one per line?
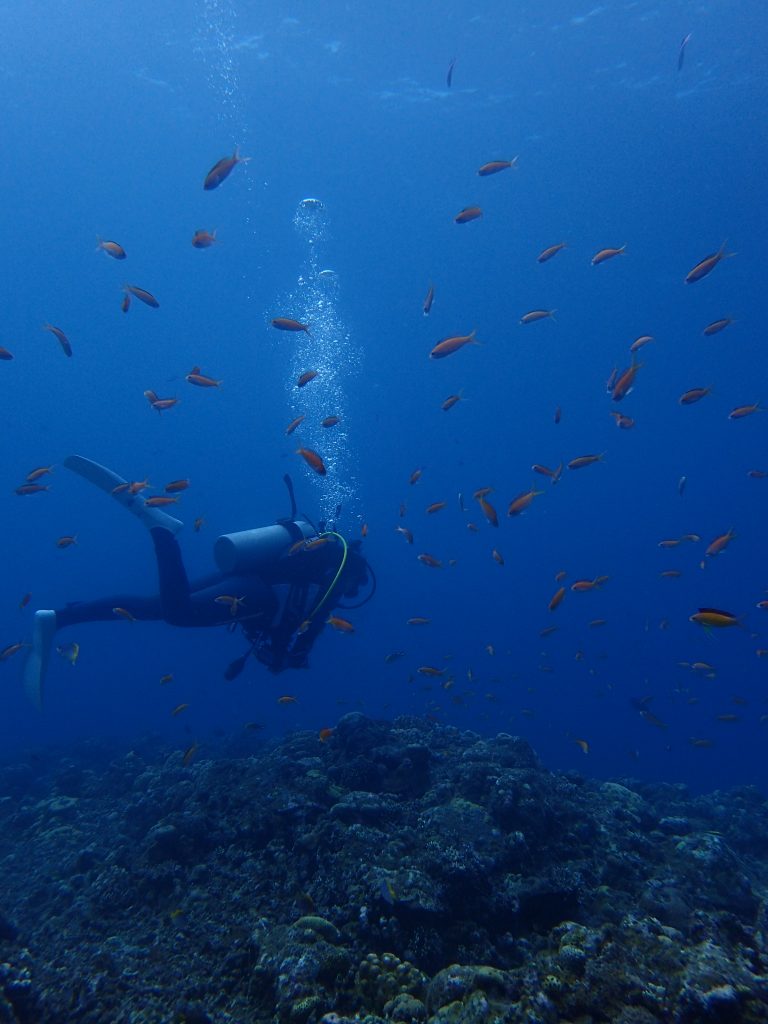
{"x":112,"y":117}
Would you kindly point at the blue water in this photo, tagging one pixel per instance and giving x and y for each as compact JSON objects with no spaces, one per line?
{"x":112,"y":118}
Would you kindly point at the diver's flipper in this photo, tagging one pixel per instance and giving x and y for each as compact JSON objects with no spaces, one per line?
{"x":115,"y":486}
{"x":36,"y":665}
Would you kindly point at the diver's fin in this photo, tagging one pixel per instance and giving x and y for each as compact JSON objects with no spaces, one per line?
{"x":112,"y":484}
{"x":36,"y":665}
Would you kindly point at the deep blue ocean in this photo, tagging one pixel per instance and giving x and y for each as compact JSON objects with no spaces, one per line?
{"x":112,"y":117}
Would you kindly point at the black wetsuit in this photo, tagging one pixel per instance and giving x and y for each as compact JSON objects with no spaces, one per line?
{"x":271,"y":607}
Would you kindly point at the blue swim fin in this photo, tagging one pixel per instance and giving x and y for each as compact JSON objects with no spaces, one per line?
{"x":36,"y":665}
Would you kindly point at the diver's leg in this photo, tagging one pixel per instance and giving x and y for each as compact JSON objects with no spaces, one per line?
{"x":46,"y":622}
{"x":172,"y":577}
{"x":254,"y":603}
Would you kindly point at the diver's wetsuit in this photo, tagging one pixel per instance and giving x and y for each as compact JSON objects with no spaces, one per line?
{"x":271,"y":607}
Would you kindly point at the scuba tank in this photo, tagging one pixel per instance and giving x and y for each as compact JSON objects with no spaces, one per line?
{"x":252,"y":550}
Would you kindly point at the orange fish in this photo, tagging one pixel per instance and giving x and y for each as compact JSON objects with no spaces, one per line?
{"x":66,"y":541}
{"x":757,"y":474}
{"x":142,"y":294}
{"x":124,"y":614}
{"x":325,"y":734}
{"x":427,"y":304}
{"x":481,"y":492}
{"x":639,"y":342}
{"x":488,"y":511}
{"x":167,"y":678}
{"x":60,"y":337}
{"x":448,"y":346}
{"x":161,"y":404}
{"x":178,"y":709}
{"x":542,"y":470}
{"x":622,"y":421}
{"x":113,"y":249}
{"x":607,"y":254}
{"x":35,"y":474}
{"x":582,"y":745}
{"x":200,"y":380}
{"x":405,"y":532}
{"x":222,"y":169}
{"x":233,"y":603}
{"x":330,"y":421}
{"x":339,"y":624}
{"x":198,"y":524}
{"x":160,"y":501}
{"x":436,"y":506}
{"x":364,"y":530}
{"x":10,"y":650}
{"x":744,"y":410}
{"x":537,"y":314}
{"x":719,"y":544}
{"x":430,"y":560}
{"x":625,"y":382}
{"x":31,"y":489}
{"x":305,"y":378}
{"x":549,"y":252}
{"x":714,"y":617}
{"x":286,"y":699}
{"x":585,"y":460}
{"x":176,"y":485}
{"x":467,"y":214}
{"x":285,"y":323}
{"x":494,"y":166}
{"x":694,"y":395}
{"x":522,"y":502}
{"x":707,"y":265}
{"x":670,"y":574}
{"x":579,"y":586}
{"x":556,"y":598}
{"x":313,"y":460}
{"x":449,"y":402}
{"x":25,"y":600}
{"x":430,"y":670}
{"x":415,"y":476}
{"x":294,"y":424}
{"x":134,"y":487}
{"x":125,"y":304}
{"x":189,"y":754}
{"x":497,"y":556}
{"x":417,"y":620}
{"x":716,"y":326}
{"x":202,"y":239}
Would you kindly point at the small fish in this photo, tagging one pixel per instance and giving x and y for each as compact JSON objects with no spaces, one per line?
{"x":585,"y":460}
{"x":10,"y":650}
{"x":488,"y":510}
{"x":714,"y":617}
{"x":203,"y":239}
{"x":35,"y":474}
{"x":430,"y":560}
{"x":387,"y":891}
{"x":200,"y":380}
{"x":136,"y":486}
{"x":313,"y":460}
{"x":161,"y":404}
{"x":176,"y":485}
{"x":167,"y":678}
{"x":582,"y":745}
{"x":60,"y":337}
{"x":707,"y":265}
{"x":417,"y":620}
{"x":339,"y":624}
{"x":415,"y":476}
{"x":67,"y":541}
{"x":431,"y":671}
{"x":579,"y":586}
{"x":638,"y":343}
{"x":330,"y":421}
{"x":178,"y":709}
{"x":25,"y":600}
{"x":187,"y":759}
{"x":449,"y":402}
{"x":222,"y":169}
{"x":701,"y":741}
{"x":467,"y":214}
{"x":719,"y":544}
{"x":625,"y":382}
{"x":744,"y":410}
{"x":448,"y":346}
{"x":681,"y":485}
{"x":113,"y":249}
{"x":436,"y":506}
{"x":716,"y":326}
{"x":559,"y":576}
{"x":294,"y":424}
{"x":142,"y":294}
{"x":285,"y":323}
{"x":426,"y":305}
{"x":537,"y":314}
{"x":198,"y":524}
{"x":393,"y":656}
{"x":233,"y":603}
{"x":757,"y":474}
{"x":5,"y":354}
{"x":125,"y":303}
{"x":670,"y":574}
{"x":558,"y":414}
{"x":325,"y":734}
{"x":497,"y":556}
{"x":31,"y":489}
{"x":522,"y":502}
{"x":597,"y":622}
{"x":622,"y":422}
{"x":607,"y":254}
{"x":549,"y":252}
{"x":160,"y":501}
{"x":694,"y":395}
{"x":405,"y":532}
{"x":556,"y":598}
{"x":123,"y":613}
{"x":449,"y":73}
{"x":681,"y":51}
{"x":286,"y":699}
{"x":305,"y":378}
{"x":70,"y":652}
{"x":494,"y":166}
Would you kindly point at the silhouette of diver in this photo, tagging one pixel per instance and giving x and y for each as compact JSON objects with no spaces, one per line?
{"x":277,"y":583}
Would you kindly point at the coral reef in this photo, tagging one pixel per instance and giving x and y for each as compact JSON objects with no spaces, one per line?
{"x":401,"y":872}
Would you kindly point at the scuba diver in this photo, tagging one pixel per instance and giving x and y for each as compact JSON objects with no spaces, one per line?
{"x":277,"y":583}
